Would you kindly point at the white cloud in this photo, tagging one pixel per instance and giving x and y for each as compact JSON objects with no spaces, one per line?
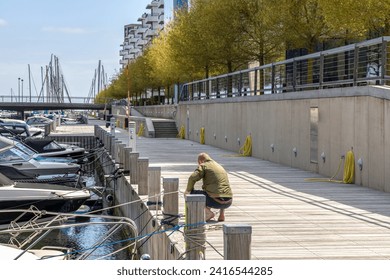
{"x":67,"y":30}
{"x":3,"y":22}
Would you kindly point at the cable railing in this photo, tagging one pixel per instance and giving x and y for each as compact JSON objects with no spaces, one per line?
{"x":364,"y":63}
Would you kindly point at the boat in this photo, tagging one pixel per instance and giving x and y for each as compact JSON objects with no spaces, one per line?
{"x":71,"y":180}
{"x":36,"y":234}
{"x":11,"y":252}
{"x":51,"y":148}
{"x":47,"y":197}
{"x":18,"y":128}
{"x":15,"y":154}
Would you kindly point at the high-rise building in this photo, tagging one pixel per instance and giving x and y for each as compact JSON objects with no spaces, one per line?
{"x":138,"y":35}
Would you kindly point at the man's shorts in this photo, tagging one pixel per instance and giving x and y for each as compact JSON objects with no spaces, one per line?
{"x":213,"y":202}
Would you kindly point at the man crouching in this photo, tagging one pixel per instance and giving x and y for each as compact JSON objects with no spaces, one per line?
{"x":215,"y":186}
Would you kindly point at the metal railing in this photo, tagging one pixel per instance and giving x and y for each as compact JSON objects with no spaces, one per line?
{"x":365,"y":63}
{"x":35,"y":99}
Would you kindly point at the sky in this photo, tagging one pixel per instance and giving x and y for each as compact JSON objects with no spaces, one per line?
{"x":78,"y":32}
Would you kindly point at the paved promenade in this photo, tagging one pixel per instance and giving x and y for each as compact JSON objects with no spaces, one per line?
{"x":291,"y":217}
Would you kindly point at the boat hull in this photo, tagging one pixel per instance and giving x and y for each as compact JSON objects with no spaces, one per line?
{"x":48,"y":197}
{"x":53,"y":205}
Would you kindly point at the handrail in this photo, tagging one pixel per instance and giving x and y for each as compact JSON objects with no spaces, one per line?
{"x":363,"y":63}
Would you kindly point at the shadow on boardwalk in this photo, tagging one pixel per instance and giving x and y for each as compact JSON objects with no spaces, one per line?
{"x":291,"y":218}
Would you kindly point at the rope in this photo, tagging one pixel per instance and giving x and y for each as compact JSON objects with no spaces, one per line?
{"x":202,"y":141}
{"x":349,"y":171}
{"x":169,"y":219}
{"x":246,"y":150}
{"x":182,"y":133}
{"x":141,"y":130}
{"x":349,"y":168}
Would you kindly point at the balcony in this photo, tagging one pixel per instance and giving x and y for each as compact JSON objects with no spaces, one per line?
{"x":142,"y":30}
{"x":123,"y":52}
{"x":141,"y":43}
{"x":150,"y":19}
{"x":143,"y":17}
{"x":129,"y":47}
{"x":134,"y":40}
{"x":134,"y":51}
{"x":161,"y":19}
{"x":152,"y":5}
{"x":151,"y":33}
{"x":123,"y":61}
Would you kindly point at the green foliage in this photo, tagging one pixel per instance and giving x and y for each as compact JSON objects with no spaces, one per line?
{"x":220,"y":36}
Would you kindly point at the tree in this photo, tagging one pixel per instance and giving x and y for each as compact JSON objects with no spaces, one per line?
{"x":304,"y":24}
{"x":262,"y":31}
{"x":357,"y":20}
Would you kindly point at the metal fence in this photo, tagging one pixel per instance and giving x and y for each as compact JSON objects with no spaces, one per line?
{"x":34,"y":99}
{"x":365,"y":63}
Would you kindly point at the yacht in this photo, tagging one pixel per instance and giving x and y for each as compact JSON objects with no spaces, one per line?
{"x":51,"y":148}
{"x":19,"y":129}
{"x":10,"y":252}
{"x":14,"y":154}
{"x":77,"y":232}
{"x":48,"y":197}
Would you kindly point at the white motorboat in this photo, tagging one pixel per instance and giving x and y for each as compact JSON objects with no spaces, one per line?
{"x":48,"y":197}
{"x":34,"y":233}
{"x":19,"y":129}
{"x":50,"y":148}
{"x":10,"y":252}
{"x":15,"y":154}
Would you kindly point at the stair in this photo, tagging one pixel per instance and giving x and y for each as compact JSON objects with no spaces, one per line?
{"x":165,"y":128}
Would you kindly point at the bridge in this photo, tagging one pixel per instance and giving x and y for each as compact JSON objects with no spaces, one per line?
{"x":53,"y":94}
{"x":78,"y":103}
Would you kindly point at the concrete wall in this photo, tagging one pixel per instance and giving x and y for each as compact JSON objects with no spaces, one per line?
{"x":356,"y":117}
{"x":161,"y":246}
{"x":158,"y":111}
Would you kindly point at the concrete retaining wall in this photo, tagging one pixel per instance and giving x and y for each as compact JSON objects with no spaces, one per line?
{"x":158,"y":111}
{"x":357,"y":117}
{"x":153,"y":240}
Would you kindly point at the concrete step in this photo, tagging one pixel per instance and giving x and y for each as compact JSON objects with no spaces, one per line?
{"x":165,"y":129}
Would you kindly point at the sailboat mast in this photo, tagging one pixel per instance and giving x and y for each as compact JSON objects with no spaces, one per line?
{"x":29,"y":81}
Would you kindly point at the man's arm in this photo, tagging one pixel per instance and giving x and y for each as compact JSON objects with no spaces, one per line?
{"x":195,"y":177}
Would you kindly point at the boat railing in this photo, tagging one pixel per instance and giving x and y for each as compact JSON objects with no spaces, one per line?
{"x":27,"y":235}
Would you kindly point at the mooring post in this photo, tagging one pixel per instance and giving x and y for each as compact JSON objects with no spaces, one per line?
{"x":237,"y":242}
{"x":112,"y":126}
{"x":171,"y":201}
{"x":104,"y":138}
{"x":194,"y":232}
{"x":111,"y":140}
{"x":126,"y":160}
{"x":113,"y":148}
{"x":133,"y":167}
{"x":116,"y":150}
{"x":154,"y":187}
{"x":143,"y":165}
{"x":121,"y":155}
{"x":106,"y":141}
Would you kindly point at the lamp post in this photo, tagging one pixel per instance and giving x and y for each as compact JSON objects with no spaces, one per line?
{"x":18,"y":89}
{"x":22,"y":89}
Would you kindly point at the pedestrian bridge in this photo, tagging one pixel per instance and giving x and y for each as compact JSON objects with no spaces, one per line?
{"x":12,"y":103}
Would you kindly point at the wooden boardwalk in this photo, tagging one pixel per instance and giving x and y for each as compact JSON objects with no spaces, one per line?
{"x":291,"y":217}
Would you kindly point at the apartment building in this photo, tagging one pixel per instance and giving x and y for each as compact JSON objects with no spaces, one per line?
{"x":138,"y":35}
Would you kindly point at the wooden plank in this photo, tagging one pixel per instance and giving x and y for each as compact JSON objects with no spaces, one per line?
{"x":291,"y":217}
